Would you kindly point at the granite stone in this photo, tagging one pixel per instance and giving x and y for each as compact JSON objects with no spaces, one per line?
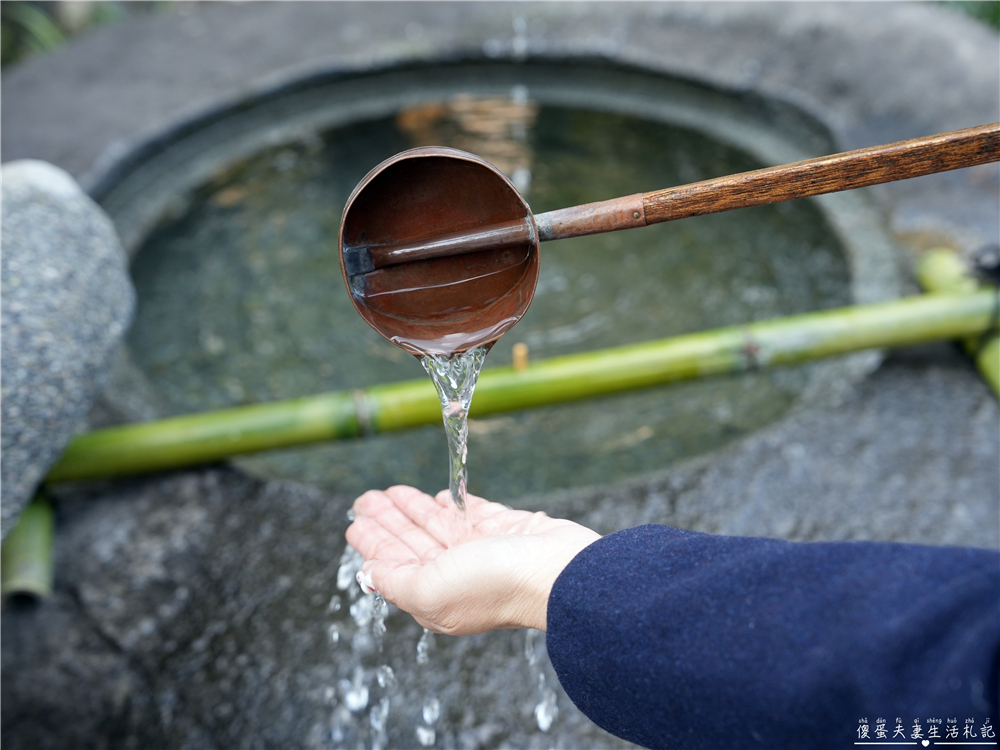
{"x":194,"y":609}
{"x":67,"y":299}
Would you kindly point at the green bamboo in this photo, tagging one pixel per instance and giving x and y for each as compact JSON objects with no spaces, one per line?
{"x":26,"y":562}
{"x":941,"y":271}
{"x":207,"y":437}
{"x":211,"y":436}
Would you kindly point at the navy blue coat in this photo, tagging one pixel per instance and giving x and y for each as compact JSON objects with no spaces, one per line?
{"x":676,"y":639}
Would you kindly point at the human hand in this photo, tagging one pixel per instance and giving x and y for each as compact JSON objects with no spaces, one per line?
{"x":493,"y":569}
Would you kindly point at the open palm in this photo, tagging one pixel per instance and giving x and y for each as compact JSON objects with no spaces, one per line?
{"x":491,"y":567}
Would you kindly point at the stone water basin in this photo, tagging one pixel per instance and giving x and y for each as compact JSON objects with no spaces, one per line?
{"x":241,"y":299}
{"x":193,"y":609}
{"x":233,"y":234}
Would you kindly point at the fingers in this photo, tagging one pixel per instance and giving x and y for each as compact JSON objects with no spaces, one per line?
{"x":401,"y":523}
{"x":423,"y":512}
{"x":422,"y":544}
{"x":373,"y":540}
{"x":368,"y":535}
{"x":372,"y":501}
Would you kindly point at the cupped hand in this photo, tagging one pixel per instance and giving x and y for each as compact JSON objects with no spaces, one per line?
{"x":492,"y":569}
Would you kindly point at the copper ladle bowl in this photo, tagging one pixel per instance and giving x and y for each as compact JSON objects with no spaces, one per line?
{"x":439,"y":304}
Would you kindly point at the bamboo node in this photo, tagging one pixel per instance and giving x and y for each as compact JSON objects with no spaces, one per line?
{"x":362,"y":411}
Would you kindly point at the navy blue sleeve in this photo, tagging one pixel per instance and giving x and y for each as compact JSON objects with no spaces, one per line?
{"x":671,"y":638}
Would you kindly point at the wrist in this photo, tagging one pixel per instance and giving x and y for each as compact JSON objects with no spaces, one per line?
{"x":539,"y":586}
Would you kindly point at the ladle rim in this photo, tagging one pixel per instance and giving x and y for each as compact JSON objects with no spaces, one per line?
{"x":525,"y":285}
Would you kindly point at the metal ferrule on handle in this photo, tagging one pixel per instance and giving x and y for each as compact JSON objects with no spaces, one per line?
{"x":592,"y":218}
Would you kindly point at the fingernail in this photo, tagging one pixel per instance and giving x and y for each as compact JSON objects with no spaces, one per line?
{"x":365,"y":582}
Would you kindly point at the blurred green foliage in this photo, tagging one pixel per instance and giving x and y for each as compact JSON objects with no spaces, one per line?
{"x":986,"y":11}
{"x":31,"y":27}
{"x":25,"y":29}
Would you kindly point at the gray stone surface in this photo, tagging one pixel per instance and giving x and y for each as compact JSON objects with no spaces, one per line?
{"x":908,"y":455}
{"x":66,"y":301}
{"x":192,"y":610}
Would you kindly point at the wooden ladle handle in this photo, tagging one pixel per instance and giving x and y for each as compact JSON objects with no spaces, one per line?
{"x":828,"y":174}
{"x":825,"y":174}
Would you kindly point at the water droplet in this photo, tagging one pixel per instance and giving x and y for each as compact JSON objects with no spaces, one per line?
{"x":350,"y":563}
{"x":362,"y":611}
{"x":522,"y":179}
{"x":362,"y":642}
{"x":386,"y":677}
{"x":423,"y":647}
{"x":334,"y":605}
{"x":426,"y":736}
{"x":356,"y":695}
{"x":529,"y":646}
{"x":546,"y":711}
{"x":334,"y":633}
{"x":378,"y":715}
{"x":341,"y":720}
{"x":379,"y":610}
{"x":357,"y":698}
{"x":432,"y":711}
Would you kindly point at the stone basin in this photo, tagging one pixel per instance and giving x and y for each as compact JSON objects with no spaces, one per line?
{"x":194,"y":609}
{"x":232,"y":229}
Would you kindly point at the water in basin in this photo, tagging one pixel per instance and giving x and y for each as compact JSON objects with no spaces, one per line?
{"x":241,"y":298}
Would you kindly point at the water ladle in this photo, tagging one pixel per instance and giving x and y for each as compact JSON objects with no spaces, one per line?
{"x":440,"y":252}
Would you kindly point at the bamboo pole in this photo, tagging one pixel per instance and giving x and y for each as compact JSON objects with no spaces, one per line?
{"x":941,"y":271}
{"x":26,"y":559}
{"x":212,"y":436}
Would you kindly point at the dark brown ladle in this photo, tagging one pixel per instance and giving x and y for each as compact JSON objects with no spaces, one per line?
{"x":438,"y":302}
{"x":440,"y":252}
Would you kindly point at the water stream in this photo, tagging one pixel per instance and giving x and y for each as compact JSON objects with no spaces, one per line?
{"x":455,"y":381}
